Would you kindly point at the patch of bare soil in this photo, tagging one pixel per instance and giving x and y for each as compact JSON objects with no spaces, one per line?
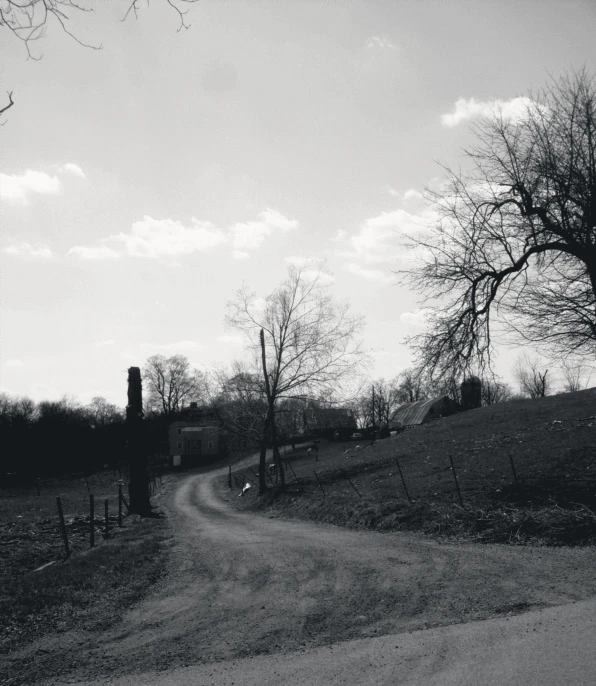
{"x":240,"y":584}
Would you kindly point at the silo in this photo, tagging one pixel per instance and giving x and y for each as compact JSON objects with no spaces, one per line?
{"x":471,"y":393}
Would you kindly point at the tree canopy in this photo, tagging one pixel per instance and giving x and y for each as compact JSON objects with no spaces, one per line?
{"x":515,"y":238}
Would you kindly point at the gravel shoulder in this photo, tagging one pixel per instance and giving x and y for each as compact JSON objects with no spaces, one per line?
{"x":242,"y":585}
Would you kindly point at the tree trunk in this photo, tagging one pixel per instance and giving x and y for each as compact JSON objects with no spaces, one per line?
{"x":262,"y":466}
{"x":276,"y":455}
{"x":138,"y":486}
{"x":263,"y":459}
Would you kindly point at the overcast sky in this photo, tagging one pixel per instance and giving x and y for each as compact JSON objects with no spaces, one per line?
{"x":144,"y":182}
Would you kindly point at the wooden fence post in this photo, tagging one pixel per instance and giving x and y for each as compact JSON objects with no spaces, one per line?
{"x":230,"y":476}
{"x":91,"y":520}
{"x":63,"y":525}
{"x":120,"y":506}
{"x":461,"y":502}
{"x":107,"y":528}
{"x":352,"y":485}
{"x":403,"y":480}
{"x":513,"y":468}
{"x":297,"y":480}
{"x":319,"y":482}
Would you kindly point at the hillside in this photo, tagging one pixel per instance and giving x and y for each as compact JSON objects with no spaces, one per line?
{"x":549,"y":443}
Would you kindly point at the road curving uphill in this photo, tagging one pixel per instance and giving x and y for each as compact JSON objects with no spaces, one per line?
{"x":251,"y":599}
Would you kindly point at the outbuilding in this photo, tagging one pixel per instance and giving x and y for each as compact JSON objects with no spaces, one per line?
{"x":192,"y":442}
{"x":417,"y":413}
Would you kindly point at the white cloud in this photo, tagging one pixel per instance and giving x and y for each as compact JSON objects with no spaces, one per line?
{"x":413,"y":194}
{"x":230,"y":340}
{"x":100,"y":252}
{"x":167,"y":237}
{"x":370,"y":274}
{"x":17,"y":189}
{"x":250,"y":235}
{"x":72,"y":168}
{"x":298,"y":261}
{"x":380,"y":43}
{"x":378,"y":239}
{"x":179,"y":348}
{"x":324,"y":278}
{"x":13,"y":364}
{"x":416,"y":319}
{"x":105,"y":344}
{"x":515,"y":109}
{"x":38,"y":250}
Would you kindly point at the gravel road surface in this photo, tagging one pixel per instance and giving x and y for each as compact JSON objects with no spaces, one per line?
{"x":256,"y":600}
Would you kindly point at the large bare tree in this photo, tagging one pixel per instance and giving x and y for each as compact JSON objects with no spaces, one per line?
{"x":516,"y":236}
{"x":28,"y":20}
{"x":303,"y":342}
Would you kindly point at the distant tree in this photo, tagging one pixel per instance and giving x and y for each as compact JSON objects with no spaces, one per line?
{"x":377,"y":403}
{"x":495,"y":391}
{"x":240,"y":404}
{"x":516,"y":236}
{"x":103,"y":413}
{"x":574,"y":375}
{"x":304,"y":344}
{"x":533,"y":381}
{"x":171,"y":383}
{"x":410,"y":386}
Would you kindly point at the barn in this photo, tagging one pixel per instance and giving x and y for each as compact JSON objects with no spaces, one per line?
{"x":422,"y":411}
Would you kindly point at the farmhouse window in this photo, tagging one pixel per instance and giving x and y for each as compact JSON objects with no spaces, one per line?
{"x":179,"y":444}
{"x":179,"y":432}
{"x":210,"y":444}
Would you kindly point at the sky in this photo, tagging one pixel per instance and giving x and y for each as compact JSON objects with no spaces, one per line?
{"x":144,"y":182}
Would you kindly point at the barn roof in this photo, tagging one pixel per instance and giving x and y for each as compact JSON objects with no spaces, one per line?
{"x":415,"y":413}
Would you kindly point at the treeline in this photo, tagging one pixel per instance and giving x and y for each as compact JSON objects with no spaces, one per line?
{"x":58,"y":436}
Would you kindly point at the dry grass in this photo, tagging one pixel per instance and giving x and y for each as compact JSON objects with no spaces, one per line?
{"x":551,"y":441}
{"x":92,"y":586}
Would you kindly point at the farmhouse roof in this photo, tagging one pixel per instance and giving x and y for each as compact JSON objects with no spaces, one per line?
{"x":332,"y":417}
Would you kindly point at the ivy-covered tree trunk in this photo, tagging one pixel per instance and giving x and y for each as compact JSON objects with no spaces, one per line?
{"x":138,"y":486}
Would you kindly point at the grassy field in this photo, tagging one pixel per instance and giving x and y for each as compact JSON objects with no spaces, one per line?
{"x":91,"y":587}
{"x":551,"y":498}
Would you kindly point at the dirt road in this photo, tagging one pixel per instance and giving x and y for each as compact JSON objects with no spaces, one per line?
{"x":244,"y":586}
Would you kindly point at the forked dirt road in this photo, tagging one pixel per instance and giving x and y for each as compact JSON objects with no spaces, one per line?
{"x":253,"y":600}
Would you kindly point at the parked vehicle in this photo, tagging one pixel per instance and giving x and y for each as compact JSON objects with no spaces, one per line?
{"x":356,"y":436}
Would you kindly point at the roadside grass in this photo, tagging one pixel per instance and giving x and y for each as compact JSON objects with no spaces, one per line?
{"x":89,"y":589}
{"x":551,"y":499}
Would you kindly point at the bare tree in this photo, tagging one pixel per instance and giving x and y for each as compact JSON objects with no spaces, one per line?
{"x":28,"y":20}
{"x":573,"y":376}
{"x":532,"y":380}
{"x":375,"y":406}
{"x":516,"y":236}
{"x":303,"y":342}
{"x":101,"y":412}
{"x":171,"y":383}
{"x":495,"y":391}
{"x":410,"y":386}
